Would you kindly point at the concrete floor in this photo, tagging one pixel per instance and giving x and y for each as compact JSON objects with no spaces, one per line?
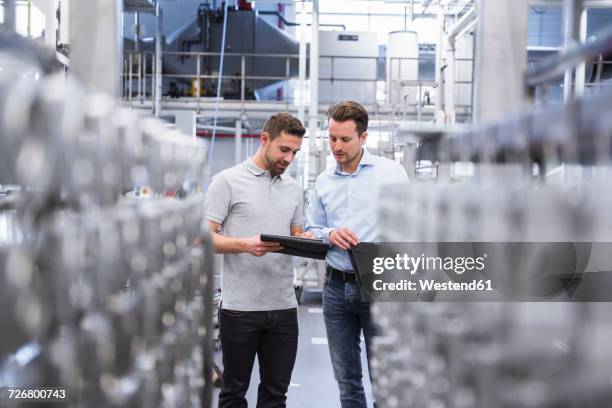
{"x":312,"y":383}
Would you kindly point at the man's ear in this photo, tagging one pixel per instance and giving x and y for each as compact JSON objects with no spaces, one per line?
{"x":264,"y":138}
{"x":363,"y":138}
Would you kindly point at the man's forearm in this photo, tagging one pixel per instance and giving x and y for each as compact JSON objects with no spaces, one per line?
{"x":228,"y":245}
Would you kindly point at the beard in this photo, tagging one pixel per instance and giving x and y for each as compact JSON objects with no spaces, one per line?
{"x":345,"y":158}
{"x":277,"y":167}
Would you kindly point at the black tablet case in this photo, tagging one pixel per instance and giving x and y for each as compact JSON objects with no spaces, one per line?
{"x":303,"y":247}
{"x":361,"y":257}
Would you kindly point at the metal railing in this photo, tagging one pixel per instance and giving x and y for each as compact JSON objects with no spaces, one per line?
{"x":138,"y":76}
{"x":141,"y":61}
{"x":541,"y":90}
{"x":421,"y":85}
{"x":541,"y":73}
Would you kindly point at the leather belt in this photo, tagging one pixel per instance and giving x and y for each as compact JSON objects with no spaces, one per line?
{"x":343,"y":276}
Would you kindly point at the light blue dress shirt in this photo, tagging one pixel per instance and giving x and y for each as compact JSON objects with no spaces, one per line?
{"x":351,"y":200}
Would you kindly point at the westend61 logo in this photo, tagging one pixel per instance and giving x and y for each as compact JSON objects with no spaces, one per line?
{"x":412,"y":264}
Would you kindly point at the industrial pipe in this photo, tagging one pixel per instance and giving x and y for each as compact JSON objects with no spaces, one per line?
{"x":293,"y":24}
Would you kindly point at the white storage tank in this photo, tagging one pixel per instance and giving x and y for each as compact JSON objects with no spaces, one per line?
{"x":402,"y":65}
{"x":347,"y":66}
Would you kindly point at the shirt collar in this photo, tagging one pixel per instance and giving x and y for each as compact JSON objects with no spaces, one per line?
{"x":367,"y":159}
{"x":256,"y":170}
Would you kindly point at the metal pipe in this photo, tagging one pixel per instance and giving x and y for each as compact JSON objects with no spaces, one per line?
{"x":137,"y":31}
{"x":439,"y":45}
{"x":589,"y":4}
{"x":469,"y":28}
{"x":198,"y":82}
{"x":140,"y":76}
{"x":237,"y":142}
{"x":473,"y":79}
{"x":242,"y":80}
{"x":291,"y":23}
{"x":600,"y":64}
{"x":370,"y":14}
{"x":10,"y":17}
{"x":203,"y":19}
{"x":130,"y":77}
{"x":467,"y":19}
{"x":449,"y":94}
{"x":313,"y":110}
{"x":572,"y":26}
{"x":124,"y":92}
{"x":302,"y":64}
{"x":29,"y":31}
{"x":227,"y":129}
{"x":287,"y":71}
{"x":581,"y":68}
{"x":234,"y":54}
{"x":158,"y":58}
{"x":552,"y":67}
{"x":144,"y":77}
{"x":153,"y":86}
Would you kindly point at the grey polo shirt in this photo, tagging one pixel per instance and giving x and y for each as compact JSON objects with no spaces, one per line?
{"x":247,"y":201}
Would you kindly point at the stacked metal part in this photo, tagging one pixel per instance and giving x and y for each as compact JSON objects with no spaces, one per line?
{"x":477,"y":353}
{"x":103,"y":295}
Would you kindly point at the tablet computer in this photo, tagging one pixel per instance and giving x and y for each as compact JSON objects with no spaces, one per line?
{"x":296,"y":246}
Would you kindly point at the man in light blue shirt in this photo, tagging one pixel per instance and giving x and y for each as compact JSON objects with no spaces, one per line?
{"x":343,"y":213}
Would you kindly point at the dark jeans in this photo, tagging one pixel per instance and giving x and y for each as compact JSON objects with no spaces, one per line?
{"x":346,"y":316}
{"x":273,"y":337}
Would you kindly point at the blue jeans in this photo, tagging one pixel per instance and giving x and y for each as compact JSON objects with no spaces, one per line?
{"x":346,"y":316}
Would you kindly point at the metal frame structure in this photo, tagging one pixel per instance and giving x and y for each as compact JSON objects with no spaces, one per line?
{"x":142,"y":60}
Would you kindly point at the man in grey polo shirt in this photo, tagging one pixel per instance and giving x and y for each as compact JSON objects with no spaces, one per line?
{"x":259,"y":309}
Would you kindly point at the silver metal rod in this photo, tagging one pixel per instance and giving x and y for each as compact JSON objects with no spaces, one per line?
{"x":313,"y":110}
{"x":302,"y":65}
{"x":158,"y":59}
{"x":10,"y":15}
{"x":439,"y":64}
{"x":198,"y":83}
{"x":553,"y":67}
{"x":238,"y":142}
{"x":570,"y":14}
{"x":153,"y":86}
{"x":581,"y":68}
{"x":467,"y":19}
{"x":129,"y":78}
{"x":124,"y":79}
{"x":140,"y":76}
{"x":242,"y":80}
{"x":233,"y":54}
{"x":144,"y":76}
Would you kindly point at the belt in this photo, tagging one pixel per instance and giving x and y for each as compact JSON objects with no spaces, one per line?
{"x":343,"y":276}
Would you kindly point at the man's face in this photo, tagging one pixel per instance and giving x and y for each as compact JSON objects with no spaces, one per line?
{"x":280,"y":152}
{"x":344,"y":141}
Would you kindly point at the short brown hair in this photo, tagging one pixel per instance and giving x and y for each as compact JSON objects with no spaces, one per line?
{"x":283,"y":122}
{"x":349,"y":110}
